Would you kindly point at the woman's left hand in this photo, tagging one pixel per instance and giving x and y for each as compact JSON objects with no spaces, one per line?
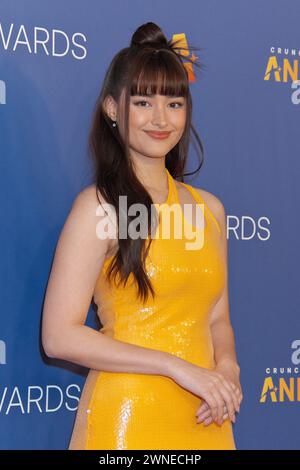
{"x":231,"y":371}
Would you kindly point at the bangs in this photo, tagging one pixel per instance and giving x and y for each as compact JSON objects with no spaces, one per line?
{"x":160,"y":74}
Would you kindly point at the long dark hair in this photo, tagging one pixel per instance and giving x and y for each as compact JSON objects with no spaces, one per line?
{"x":137,"y":70}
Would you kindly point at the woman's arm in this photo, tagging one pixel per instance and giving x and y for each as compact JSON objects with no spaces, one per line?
{"x":77,"y":263}
{"x":220,"y":325}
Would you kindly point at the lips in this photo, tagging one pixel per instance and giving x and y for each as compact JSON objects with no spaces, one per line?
{"x":158,"y":135}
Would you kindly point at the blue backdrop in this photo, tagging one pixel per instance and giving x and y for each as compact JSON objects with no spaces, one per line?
{"x":53,"y":57}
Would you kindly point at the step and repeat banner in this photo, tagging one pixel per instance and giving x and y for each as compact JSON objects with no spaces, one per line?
{"x":246,"y":109}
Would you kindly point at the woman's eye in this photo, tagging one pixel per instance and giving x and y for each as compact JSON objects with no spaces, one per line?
{"x":138,"y":102}
{"x":176,"y":103}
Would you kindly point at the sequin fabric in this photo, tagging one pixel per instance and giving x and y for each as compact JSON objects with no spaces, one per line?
{"x":142,"y":411}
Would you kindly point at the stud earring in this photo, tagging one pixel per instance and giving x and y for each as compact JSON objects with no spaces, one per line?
{"x":114,"y":124}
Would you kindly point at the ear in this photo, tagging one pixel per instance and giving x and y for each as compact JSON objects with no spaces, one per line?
{"x":110,"y":107}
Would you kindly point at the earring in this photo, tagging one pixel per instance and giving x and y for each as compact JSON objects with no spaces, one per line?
{"x":114,"y":124}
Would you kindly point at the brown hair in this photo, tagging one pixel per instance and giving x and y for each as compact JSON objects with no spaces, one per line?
{"x":137,"y":70}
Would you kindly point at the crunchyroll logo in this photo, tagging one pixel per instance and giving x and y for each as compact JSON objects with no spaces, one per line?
{"x":281,"y":68}
{"x":282,"y":389}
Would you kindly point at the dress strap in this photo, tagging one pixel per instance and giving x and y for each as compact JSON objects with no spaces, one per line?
{"x":173,"y":193}
{"x":199,"y":199}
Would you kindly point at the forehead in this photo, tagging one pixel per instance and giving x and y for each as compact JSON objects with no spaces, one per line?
{"x":157,"y":95}
{"x":159,"y":83}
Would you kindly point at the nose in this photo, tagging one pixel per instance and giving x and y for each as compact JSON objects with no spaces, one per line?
{"x":159,"y":117}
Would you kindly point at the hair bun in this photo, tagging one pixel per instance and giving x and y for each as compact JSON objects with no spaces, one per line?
{"x":149,"y":34}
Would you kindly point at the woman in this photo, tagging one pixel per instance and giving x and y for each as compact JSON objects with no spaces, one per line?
{"x":163,"y":369}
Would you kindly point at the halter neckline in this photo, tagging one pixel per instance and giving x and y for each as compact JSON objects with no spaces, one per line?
{"x":172,"y":190}
{"x":173,"y":197}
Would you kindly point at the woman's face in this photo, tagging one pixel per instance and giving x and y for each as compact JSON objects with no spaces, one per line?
{"x":155,"y":113}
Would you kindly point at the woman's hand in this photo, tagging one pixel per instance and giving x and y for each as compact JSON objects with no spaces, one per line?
{"x":231,"y":371}
{"x":211,"y":385}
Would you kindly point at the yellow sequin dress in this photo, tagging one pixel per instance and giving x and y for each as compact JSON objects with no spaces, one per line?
{"x":142,"y":411}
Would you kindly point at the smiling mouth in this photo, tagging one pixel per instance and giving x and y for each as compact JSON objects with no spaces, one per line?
{"x":158,"y":135}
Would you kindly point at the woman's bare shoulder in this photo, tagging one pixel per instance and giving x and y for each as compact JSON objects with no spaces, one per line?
{"x":213,"y":202}
{"x":209,"y":198}
{"x":215,"y":205}
{"x":89,"y":195}
{"x":88,"y":202}
{"x":89,"y":206}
